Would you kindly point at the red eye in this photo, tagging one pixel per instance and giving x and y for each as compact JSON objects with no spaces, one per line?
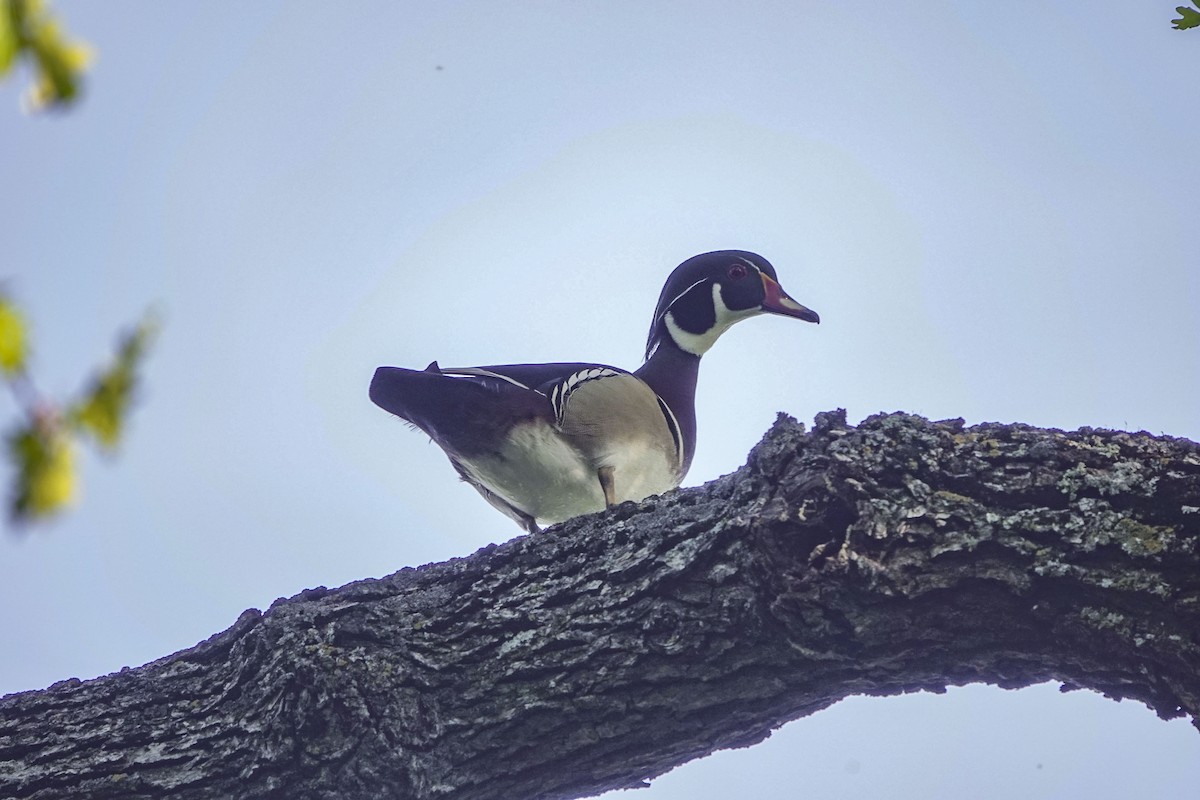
{"x":737,"y":271}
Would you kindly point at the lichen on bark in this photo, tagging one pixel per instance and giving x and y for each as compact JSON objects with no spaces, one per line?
{"x":895,"y":555}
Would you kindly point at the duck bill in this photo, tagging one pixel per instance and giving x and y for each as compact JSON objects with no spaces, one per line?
{"x":776,"y":301}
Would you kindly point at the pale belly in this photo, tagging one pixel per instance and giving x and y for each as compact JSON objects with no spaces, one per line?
{"x":552,"y":477}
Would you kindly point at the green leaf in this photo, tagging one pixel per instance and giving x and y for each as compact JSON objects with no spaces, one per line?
{"x":1188,"y":18}
{"x":60,"y":64}
{"x":9,"y":46}
{"x":45,"y":482}
{"x":29,"y":30}
{"x":104,"y":406}
{"x":14,"y":339}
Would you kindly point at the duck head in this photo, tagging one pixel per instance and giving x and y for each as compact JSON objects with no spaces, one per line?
{"x":709,"y":292}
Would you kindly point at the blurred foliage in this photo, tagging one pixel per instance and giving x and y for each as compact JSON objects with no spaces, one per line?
{"x":29,"y":31}
{"x":14,"y":343}
{"x":42,"y":445}
{"x":1188,"y":17}
{"x":102,"y":410}
{"x":45,"y":482}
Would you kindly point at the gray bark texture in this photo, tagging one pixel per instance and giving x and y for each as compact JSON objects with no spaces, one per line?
{"x":894,"y":556}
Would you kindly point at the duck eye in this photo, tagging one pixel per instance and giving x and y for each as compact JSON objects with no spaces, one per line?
{"x":737,"y":271}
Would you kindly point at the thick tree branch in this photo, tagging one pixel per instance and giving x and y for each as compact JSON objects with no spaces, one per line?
{"x":897,"y":555}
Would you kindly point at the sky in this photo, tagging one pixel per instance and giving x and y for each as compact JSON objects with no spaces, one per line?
{"x":991,"y":205}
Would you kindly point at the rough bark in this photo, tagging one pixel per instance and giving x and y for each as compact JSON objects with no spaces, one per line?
{"x":892,"y":556}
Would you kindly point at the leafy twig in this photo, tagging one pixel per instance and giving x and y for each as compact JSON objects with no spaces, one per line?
{"x":1188,"y":17}
{"x":28,"y":30}
{"x":42,"y":445}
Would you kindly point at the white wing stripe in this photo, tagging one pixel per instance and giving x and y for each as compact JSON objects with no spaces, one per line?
{"x":479,"y":372}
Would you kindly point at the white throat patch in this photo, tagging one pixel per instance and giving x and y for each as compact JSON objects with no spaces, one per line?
{"x":698,"y":343}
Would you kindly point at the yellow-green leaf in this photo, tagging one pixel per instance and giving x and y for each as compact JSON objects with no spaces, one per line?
{"x":9,"y":45}
{"x":44,"y":457}
{"x":14,"y":339}
{"x":60,"y":66}
{"x":30,"y":30}
{"x":103,"y":408}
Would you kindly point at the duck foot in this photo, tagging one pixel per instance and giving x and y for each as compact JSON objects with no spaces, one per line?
{"x":606,"y":483}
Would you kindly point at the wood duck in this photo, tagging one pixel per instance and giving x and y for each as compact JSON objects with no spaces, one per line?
{"x":547,"y":442}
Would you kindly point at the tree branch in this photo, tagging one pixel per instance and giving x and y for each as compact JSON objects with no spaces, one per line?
{"x":893,"y":556}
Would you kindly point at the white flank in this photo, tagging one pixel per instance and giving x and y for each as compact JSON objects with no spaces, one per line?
{"x":541,"y":473}
{"x":606,"y":418}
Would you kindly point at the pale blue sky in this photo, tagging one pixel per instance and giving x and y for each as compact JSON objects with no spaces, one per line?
{"x":992,"y":206}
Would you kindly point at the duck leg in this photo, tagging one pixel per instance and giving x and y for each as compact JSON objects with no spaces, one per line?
{"x":606,"y":483}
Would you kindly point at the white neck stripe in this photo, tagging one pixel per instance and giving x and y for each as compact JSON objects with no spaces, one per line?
{"x":698,"y":343}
